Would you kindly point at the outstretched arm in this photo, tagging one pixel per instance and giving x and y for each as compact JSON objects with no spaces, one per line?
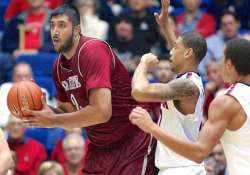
{"x":98,"y":111}
{"x":163,"y":22}
{"x":5,"y":155}
{"x":176,"y":89}
{"x":220,"y":114}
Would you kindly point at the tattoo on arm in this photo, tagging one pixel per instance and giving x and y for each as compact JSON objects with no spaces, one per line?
{"x":178,"y":89}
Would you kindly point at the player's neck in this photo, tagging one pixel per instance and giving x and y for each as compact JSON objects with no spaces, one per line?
{"x":70,"y":53}
{"x":244,"y":79}
{"x":188,"y":68}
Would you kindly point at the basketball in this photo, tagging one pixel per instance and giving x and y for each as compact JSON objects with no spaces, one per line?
{"x":24,"y":95}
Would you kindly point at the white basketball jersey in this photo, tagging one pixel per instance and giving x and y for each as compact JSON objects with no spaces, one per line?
{"x":182,"y":126}
{"x":236,"y":144}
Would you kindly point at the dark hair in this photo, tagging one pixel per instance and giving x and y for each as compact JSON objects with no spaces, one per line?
{"x":196,"y":42}
{"x":68,"y":10}
{"x":238,"y":51}
{"x":231,"y":13}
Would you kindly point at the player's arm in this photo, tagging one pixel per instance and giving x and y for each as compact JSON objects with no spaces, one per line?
{"x":98,"y":111}
{"x":220,"y":114}
{"x":163,"y":22}
{"x":62,"y":107}
{"x":5,"y":155}
{"x":177,"y":89}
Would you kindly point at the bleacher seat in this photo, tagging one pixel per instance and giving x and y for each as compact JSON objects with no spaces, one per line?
{"x":42,"y":64}
{"x":46,"y":136}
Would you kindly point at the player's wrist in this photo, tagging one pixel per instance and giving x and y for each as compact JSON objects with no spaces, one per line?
{"x":153,"y":129}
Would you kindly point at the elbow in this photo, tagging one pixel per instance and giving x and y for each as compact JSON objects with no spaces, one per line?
{"x":200,"y":156}
{"x":105,"y":115}
{"x":138,"y":94}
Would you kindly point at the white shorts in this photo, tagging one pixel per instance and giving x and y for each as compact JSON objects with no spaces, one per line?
{"x":189,"y":170}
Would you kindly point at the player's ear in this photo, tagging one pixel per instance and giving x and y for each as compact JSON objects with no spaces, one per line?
{"x":188,"y":53}
{"x":77,"y":30}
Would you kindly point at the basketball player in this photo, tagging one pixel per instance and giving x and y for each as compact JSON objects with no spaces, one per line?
{"x":94,"y":91}
{"x":228,"y":117}
{"x":182,"y":98}
{"x":5,"y":155}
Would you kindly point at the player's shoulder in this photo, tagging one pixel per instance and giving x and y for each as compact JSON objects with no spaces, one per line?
{"x":225,"y":104}
{"x":93,"y":43}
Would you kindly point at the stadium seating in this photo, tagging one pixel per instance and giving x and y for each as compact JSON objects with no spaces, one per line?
{"x":42,"y":64}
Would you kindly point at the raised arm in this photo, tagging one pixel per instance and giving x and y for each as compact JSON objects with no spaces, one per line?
{"x":221,"y":112}
{"x":142,"y":90}
{"x":163,"y":22}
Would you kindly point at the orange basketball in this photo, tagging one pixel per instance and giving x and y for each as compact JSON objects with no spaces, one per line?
{"x":24,"y":95}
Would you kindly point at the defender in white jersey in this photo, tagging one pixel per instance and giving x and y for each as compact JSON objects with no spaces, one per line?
{"x":228,"y":117}
{"x":182,"y":99}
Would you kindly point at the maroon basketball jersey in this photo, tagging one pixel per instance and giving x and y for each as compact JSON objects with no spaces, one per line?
{"x":94,"y":65}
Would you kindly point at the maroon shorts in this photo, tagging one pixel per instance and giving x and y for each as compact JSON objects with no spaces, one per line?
{"x":125,"y":158}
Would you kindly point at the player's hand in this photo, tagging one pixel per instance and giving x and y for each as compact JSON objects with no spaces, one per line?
{"x":149,"y":60}
{"x":45,"y":118}
{"x":162,"y":18}
{"x":142,"y":119}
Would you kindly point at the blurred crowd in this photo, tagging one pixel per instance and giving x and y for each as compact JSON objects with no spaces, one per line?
{"x":131,"y":30}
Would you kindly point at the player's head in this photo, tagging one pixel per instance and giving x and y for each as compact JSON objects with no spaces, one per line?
{"x":189,"y":50}
{"x":64,"y":27}
{"x":22,"y":71}
{"x":237,"y":59}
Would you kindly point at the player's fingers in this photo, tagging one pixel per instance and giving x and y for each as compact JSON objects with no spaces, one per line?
{"x":30,"y":112}
{"x":157,"y":17}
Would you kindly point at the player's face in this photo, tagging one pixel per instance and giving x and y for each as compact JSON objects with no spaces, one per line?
{"x":228,"y":74}
{"x":177,"y":55}
{"x":61,"y":33}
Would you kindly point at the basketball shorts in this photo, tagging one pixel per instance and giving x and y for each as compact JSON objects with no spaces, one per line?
{"x":129,"y":157}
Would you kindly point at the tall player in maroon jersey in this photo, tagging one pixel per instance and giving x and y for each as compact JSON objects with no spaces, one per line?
{"x":94,"y":91}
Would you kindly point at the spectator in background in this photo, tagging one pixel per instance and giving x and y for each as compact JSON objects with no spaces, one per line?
{"x":16,"y":7}
{"x":28,"y":31}
{"x":22,"y":71}
{"x":124,"y":41}
{"x":241,"y":7}
{"x":219,"y":156}
{"x":91,"y":24}
{"x":145,"y":27}
{"x":229,"y":28}
{"x":58,"y":154}
{"x":215,"y":85}
{"x":163,"y":72}
{"x":193,"y":19}
{"x":211,"y":166}
{"x":50,"y":168}
{"x":30,"y":153}
{"x":115,"y":6}
{"x":73,"y":146}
